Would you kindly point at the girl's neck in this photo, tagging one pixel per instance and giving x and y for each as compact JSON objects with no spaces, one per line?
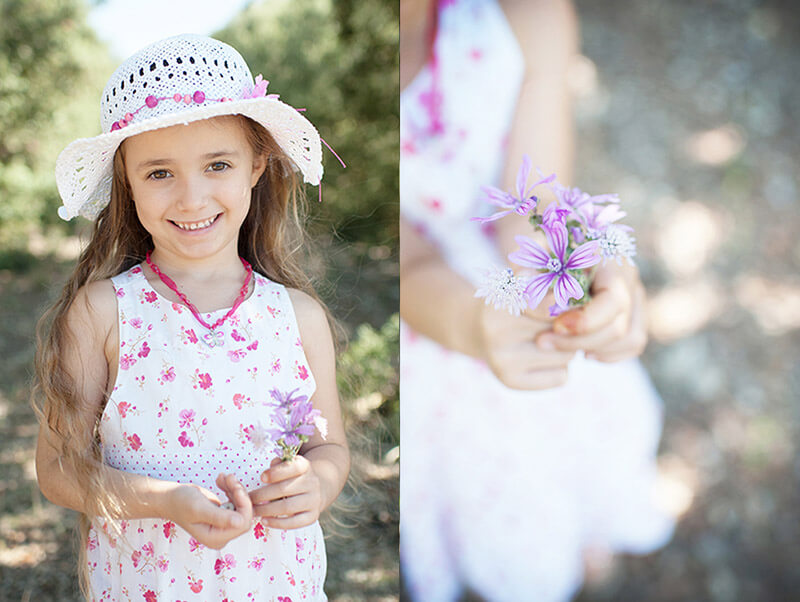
{"x":210,"y":269}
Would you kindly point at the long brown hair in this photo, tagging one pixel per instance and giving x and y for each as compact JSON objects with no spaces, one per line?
{"x":271,"y":239}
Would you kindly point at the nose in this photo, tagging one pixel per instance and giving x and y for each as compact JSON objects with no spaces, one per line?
{"x":193,"y":195}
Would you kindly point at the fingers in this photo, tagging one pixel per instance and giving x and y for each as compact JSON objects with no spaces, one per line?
{"x":292,"y":522}
{"x":243,"y":513}
{"x":602,"y":338}
{"x":609,"y":299}
{"x":633,"y":344}
{"x":281,"y":471}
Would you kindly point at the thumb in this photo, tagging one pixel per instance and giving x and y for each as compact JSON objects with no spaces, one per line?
{"x":609,"y":298}
{"x":265,"y":475}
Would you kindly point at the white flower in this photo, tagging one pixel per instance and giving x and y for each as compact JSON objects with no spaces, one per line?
{"x":260,"y":437}
{"x":322,"y":426}
{"x":501,"y":288}
{"x":616,"y":243}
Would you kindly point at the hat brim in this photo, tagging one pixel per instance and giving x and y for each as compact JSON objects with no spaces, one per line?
{"x":84,"y":169}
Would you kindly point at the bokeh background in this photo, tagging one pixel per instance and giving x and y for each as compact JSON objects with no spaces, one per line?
{"x":336,"y":59}
{"x":689,"y":109}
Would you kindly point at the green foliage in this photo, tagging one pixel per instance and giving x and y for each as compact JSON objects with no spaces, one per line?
{"x":368,"y":376}
{"x":339,"y":61}
{"x":49,"y":61}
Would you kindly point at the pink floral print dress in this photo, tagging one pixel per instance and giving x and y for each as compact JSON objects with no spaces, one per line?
{"x":502,"y":490}
{"x":184,"y":410}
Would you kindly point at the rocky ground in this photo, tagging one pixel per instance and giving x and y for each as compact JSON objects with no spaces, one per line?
{"x":689,"y":110}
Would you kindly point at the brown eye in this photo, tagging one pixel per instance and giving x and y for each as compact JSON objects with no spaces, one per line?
{"x":158,"y":174}
{"x":219,"y":166}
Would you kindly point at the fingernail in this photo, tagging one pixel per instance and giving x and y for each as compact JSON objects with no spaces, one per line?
{"x":567,"y":323}
{"x":545,"y":342}
{"x":265,"y":477}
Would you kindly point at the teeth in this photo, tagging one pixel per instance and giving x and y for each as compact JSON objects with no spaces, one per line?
{"x":195,"y":225}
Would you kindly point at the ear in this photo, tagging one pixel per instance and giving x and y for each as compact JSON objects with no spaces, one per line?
{"x":259,"y":165}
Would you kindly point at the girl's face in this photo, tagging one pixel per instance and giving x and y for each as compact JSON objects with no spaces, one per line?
{"x":191,"y":186}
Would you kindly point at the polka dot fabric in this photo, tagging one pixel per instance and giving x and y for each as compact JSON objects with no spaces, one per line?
{"x":183,"y":411}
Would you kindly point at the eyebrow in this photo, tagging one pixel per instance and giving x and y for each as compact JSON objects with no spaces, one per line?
{"x":207,"y":157}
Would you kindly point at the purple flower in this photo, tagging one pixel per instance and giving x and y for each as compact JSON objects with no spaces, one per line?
{"x":596,"y":218}
{"x":575,"y":198}
{"x":522,"y":203}
{"x":565,"y":285}
{"x":295,"y":419}
{"x":554,"y":215}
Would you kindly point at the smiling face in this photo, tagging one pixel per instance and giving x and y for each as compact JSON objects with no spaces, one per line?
{"x":191,"y":187}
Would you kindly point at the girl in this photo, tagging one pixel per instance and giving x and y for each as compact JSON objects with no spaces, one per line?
{"x":522,"y":467}
{"x":184,"y":323}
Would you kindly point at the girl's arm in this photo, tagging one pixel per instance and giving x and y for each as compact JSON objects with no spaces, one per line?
{"x":297,"y":492}
{"x":439,"y":303}
{"x":92,"y":324}
{"x":612,"y":326}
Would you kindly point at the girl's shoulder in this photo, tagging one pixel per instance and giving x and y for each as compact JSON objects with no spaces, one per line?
{"x":312,"y":319}
{"x":92,"y":317}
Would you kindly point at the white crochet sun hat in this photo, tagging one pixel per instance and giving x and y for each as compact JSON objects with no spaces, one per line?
{"x":177,"y":80}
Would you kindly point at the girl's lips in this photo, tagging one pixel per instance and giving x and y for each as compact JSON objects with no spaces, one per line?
{"x":195,"y":226}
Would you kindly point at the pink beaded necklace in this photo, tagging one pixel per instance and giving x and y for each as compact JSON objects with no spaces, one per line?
{"x":211,"y":338}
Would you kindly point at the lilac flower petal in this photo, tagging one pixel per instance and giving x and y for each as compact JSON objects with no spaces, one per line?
{"x":608,"y":214}
{"x":530,"y":254}
{"x":499,"y":198}
{"x":554,"y":214}
{"x":305,"y":429}
{"x":538,"y":287}
{"x":522,"y":176}
{"x":584,"y":256}
{"x":491,"y":218}
{"x":566,"y":286}
{"x":557,"y":239}
{"x":605,"y":198}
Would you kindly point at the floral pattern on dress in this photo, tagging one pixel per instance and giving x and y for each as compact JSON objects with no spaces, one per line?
{"x":184,"y":411}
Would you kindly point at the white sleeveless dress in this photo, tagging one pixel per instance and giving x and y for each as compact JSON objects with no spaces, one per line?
{"x":502,"y":490}
{"x":184,"y":411}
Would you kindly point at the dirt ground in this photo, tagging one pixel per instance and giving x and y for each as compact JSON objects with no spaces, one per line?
{"x":689,"y":110}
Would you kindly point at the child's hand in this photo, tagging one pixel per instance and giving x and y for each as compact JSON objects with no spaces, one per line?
{"x":612,"y":326}
{"x":510,"y":350}
{"x":198,"y":511}
{"x":292,"y":497}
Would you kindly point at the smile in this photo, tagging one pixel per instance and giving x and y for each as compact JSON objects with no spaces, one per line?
{"x":195,"y":225}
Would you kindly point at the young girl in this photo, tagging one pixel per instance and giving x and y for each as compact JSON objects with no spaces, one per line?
{"x":186,"y":320}
{"x":523,"y":468}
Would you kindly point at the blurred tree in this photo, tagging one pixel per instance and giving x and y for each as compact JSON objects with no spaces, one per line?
{"x":48,"y":58}
{"x":339,"y":60}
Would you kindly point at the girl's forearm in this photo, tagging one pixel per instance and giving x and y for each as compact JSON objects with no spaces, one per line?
{"x":137,"y":496}
{"x":434,"y":300}
{"x":331,"y":464}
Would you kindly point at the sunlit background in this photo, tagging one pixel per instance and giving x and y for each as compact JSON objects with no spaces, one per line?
{"x":689,"y":110}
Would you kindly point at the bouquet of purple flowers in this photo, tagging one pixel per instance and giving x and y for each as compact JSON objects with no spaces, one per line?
{"x":581,"y":231}
{"x":296,"y":420}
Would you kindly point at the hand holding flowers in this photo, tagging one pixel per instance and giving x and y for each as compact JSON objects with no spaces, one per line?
{"x":582,"y":234}
{"x":292,"y":494}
